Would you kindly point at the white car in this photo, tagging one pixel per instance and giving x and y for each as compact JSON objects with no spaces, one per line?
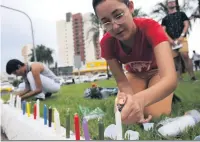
{"x":82,"y":79}
{"x":69,"y":80}
{"x":101,"y":76}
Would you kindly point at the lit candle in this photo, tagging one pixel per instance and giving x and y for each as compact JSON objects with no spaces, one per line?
{"x":101,"y":129}
{"x":35,"y":111}
{"x":68,"y":124}
{"x":45,"y":115}
{"x":50,"y":116}
{"x":28,"y":109}
{"x":85,"y":129}
{"x":24,"y":107}
{"x":76,"y":126}
{"x":118,"y":124}
{"x":38,"y":108}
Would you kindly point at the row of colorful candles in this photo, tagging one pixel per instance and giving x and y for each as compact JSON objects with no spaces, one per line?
{"x":49,"y":117}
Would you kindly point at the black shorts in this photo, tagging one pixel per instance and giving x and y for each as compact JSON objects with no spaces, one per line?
{"x":197,"y":63}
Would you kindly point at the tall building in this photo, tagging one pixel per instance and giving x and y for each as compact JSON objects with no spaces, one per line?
{"x":26,"y":52}
{"x":72,"y":39}
{"x":78,"y":36}
{"x":65,"y":42}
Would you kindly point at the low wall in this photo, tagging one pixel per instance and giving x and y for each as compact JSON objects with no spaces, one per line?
{"x":21,"y":127}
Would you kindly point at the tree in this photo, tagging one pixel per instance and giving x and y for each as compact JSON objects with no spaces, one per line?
{"x":161,"y":9}
{"x":138,"y":13}
{"x":196,"y":12}
{"x":43,"y":54}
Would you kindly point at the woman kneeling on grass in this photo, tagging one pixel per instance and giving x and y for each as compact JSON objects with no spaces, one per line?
{"x":146,"y":90}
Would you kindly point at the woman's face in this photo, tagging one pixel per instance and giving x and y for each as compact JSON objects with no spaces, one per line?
{"x":116,"y":18}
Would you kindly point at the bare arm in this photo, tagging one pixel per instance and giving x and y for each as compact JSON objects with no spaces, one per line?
{"x":167,"y":72}
{"x":36,"y":69}
{"x":21,"y":93}
{"x":122,"y":81}
{"x":186,"y":27}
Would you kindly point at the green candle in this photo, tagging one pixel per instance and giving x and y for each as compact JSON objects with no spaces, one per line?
{"x":101,"y":129}
{"x":68,"y":124}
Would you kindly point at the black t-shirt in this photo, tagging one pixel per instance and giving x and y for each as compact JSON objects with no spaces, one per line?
{"x":174,"y":24}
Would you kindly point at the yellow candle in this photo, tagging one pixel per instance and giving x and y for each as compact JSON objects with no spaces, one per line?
{"x":53,"y":118}
{"x":28,"y":109}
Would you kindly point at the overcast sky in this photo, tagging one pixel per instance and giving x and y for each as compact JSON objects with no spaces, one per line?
{"x":15,"y":27}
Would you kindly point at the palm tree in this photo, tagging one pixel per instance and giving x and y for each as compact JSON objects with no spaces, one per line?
{"x":138,"y":13}
{"x":161,"y":10}
{"x":196,"y":13}
{"x":43,"y":54}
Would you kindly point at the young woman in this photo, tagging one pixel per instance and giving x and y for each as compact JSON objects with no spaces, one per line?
{"x":146,"y":90}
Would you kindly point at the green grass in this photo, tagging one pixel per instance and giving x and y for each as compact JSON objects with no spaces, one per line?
{"x":71,"y":96}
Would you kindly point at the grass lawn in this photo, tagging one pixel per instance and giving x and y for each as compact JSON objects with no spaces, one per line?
{"x":71,"y":96}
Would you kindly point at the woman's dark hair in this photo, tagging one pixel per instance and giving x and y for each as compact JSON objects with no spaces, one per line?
{"x":96,"y":2}
{"x":13,"y":65}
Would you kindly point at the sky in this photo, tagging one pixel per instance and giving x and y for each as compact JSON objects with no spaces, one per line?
{"x":16,"y":31}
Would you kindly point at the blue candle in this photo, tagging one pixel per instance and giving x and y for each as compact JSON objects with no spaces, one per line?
{"x":24,"y":107}
{"x":45,"y":115}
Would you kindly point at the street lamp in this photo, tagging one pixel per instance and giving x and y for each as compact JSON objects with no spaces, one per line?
{"x":34,"y":52}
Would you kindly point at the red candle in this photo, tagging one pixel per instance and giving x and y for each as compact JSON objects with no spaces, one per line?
{"x":35,"y":111}
{"x":76,"y":126}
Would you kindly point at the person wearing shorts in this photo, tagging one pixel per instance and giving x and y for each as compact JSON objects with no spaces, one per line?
{"x":146,"y":89}
{"x":196,"y":59}
{"x":176,"y":25}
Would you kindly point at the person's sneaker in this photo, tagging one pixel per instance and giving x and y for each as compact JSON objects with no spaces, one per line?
{"x":48,"y":95}
{"x":193,"y":78}
{"x":41,"y":99}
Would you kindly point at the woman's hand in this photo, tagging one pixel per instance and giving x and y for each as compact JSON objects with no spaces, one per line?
{"x":133,"y":110}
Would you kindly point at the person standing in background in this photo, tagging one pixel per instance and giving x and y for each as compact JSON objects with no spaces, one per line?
{"x":176,"y":25}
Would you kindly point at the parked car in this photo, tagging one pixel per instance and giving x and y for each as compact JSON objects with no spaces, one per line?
{"x":69,"y":80}
{"x":101,"y":76}
{"x":83,"y":78}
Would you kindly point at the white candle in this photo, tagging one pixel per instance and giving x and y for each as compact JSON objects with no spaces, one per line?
{"x":57,"y":121}
{"x":38,"y":109}
{"x":10,"y":103}
{"x":118,"y":124}
{"x":19,"y":101}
